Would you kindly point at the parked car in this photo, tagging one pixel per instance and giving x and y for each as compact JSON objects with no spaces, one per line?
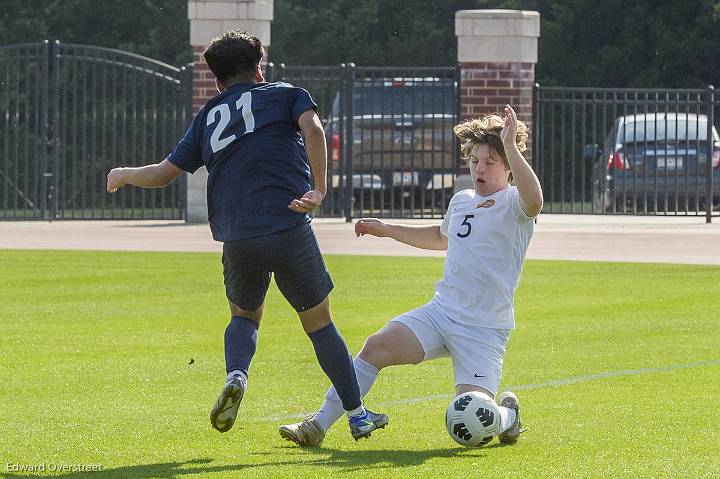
{"x":402,"y":139}
{"x":655,"y":161}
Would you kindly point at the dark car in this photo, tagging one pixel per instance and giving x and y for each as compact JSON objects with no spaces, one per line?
{"x":655,"y":162}
{"x":402,"y":140}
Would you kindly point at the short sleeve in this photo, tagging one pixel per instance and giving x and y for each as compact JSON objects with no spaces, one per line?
{"x":300,"y":103}
{"x":445,"y":225}
{"x":517,"y":207}
{"x":187,"y":155}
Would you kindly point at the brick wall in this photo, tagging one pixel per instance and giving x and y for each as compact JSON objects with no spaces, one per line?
{"x":203,"y":80}
{"x":486,"y":87}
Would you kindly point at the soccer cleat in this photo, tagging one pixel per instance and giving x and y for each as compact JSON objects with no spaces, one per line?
{"x":306,"y":433}
{"x":223,"y":414}
{"x":510,"y":401}
{"x":365,"y":424}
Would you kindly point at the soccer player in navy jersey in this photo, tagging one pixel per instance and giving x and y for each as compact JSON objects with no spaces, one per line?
{"x":250,"y":139}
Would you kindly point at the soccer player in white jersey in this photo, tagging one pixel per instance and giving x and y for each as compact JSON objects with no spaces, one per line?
{"x":486,"y":232}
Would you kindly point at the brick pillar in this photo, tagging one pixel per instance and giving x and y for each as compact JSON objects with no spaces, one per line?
{"x":497,"y":53}
{"x":209,"y":19}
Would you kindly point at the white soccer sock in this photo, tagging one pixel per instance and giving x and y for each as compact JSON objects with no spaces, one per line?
{"x":358,"y":411}
{"x":507,"y":418}
{"x":332,"y":409}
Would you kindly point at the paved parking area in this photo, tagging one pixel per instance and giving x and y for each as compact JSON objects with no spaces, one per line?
{"x":572,"y":237}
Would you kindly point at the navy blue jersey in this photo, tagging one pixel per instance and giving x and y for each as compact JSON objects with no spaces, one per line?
{"x":249,"y":140}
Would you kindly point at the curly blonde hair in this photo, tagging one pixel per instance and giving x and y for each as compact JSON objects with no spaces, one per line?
{"x":487,"y":130}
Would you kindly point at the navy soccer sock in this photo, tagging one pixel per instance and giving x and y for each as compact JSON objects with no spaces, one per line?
{"x":335,"y":360}
{"x":240,"y":344}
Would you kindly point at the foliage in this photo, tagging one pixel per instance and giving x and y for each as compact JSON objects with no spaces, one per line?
{"x":614,"y":43}
{"x":155,"y":28}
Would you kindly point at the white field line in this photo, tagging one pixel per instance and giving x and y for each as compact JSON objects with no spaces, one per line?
{"x":522,"y":387}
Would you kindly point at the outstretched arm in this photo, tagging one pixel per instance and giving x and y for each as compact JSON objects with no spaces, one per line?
{"x":425,"y":237}
{"x":148,"y":176}
{"x":528,"y":185}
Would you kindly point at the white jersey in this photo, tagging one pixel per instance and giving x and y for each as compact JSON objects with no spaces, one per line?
{"x":488,"y":237}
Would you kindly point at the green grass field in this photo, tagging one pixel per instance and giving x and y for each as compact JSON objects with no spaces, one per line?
{"x":617,"y":367}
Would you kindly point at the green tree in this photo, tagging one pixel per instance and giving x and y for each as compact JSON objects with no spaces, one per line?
{"x":616,"y":43}
{"x":155,"y":28}
{"x":610,"y":43}
{"x":370,"y":32}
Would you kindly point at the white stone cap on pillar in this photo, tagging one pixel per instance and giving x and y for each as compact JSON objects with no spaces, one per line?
{"x":197,"y":211}
{"x":208,"y":19}
{"x":497,"y":35}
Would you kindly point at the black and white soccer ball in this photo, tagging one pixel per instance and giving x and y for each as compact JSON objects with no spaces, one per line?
{"x":472,"y":419}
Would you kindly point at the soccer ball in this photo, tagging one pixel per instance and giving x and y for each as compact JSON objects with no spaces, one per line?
{"x":472,"y":419}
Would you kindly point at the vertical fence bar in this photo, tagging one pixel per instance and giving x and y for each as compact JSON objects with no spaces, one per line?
{"x":535,"y":141}
{"x":348,"y":113}
{"x":45,"y":118}
{"x":456,"y":140}
{"x":55,"y":129}
{"x":709,"y":181}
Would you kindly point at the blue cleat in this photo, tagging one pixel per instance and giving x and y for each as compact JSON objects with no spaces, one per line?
{"x":365,"y":424}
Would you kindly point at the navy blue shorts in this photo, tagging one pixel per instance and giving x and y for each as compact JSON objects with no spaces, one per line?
{"x":295,"y":258}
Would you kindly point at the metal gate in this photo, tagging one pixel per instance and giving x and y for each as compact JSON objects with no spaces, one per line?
{"x":627,"y":151}
{"x":391,"y":149}
{"x":69,"y":113}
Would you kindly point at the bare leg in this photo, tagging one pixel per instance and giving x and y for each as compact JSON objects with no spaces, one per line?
{"x":394,"y":344}
{"x":254,"y":315}
{"x":463,"y":388}
{"x":317,"y":317}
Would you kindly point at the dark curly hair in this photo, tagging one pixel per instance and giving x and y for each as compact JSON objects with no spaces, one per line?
{"x":234,"y":56}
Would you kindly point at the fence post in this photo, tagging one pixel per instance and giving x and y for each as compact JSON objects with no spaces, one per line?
{"x":41,"y":206}
{"x":187,"y":96}
{"x":458,"y":119}
{"x":534,"y":141}
{"x":709,"y":181}
{"x":535,"y":152}
{"x":349,"y":80}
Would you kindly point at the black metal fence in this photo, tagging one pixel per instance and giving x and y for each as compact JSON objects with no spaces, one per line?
{"x":69,"y":113}
{"x":391,"y":149}
{"x":622,"y":151}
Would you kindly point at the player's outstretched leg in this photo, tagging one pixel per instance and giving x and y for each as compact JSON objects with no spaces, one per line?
{"x":311,"y":431}
{"x":512,"y":431}
{"x":335,"y":360}
{"x":396,"y":343}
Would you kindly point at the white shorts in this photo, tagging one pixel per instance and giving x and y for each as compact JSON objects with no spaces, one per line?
{"x":476,"y":352}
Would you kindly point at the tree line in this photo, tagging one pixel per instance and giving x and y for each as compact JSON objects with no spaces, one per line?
{"x":612,"y":43}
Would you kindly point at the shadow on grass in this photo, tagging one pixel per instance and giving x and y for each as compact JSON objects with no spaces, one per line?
{"x":347,"y":460}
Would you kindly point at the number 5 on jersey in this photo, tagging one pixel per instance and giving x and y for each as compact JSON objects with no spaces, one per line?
{"x":244,"y":105}
{"x":466,"y":233}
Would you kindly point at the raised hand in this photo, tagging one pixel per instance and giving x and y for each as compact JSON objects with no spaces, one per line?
{"x":509,"y":131}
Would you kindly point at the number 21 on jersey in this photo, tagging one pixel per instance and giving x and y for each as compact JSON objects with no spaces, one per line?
{"x":221,"y":114}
